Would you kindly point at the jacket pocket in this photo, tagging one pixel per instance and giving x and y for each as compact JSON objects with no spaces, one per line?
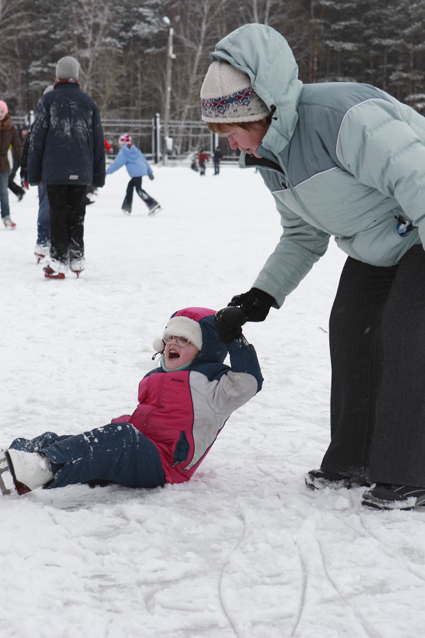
{"x":182,"y":449}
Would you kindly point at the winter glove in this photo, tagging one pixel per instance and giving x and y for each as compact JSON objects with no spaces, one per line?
{"x":151,"y":176}
{"x":255,"y":303}
{"x":228,"y":323}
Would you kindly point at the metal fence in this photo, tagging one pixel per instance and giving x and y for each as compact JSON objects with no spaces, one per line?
{"x":148,"y":135}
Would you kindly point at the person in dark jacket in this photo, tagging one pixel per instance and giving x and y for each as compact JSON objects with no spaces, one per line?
{"x":218,"y":156}
{"x":67,"y":153}
{"x":8,"y":137}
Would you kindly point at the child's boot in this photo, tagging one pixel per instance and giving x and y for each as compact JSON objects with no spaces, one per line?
{"x":29,"y":470}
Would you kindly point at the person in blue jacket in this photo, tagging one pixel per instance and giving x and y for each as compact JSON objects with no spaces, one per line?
{"x":343,"y":160}
{"x":137,"y":167}
{"x":67,"y":153}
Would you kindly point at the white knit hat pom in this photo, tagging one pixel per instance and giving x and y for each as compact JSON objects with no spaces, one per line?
{"x":158,"y":345}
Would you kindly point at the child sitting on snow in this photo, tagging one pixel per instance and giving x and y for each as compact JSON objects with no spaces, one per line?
{"x":183,"y":405}
{"x":137,"y":167}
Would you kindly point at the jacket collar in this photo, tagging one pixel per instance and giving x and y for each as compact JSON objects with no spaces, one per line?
{"x":71,"y":82}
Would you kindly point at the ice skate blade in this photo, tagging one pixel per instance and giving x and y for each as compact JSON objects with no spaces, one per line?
{"x":54,"y":275}
{"x":155,"y":211}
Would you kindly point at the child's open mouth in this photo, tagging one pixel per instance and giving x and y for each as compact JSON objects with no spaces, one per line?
{"x":173,"y":354}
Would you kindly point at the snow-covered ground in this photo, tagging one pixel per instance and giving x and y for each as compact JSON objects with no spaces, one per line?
{"x":243,"y":550}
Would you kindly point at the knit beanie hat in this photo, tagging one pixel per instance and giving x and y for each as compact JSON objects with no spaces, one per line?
{"x":126,"y":139}
{"x":67,"y":68}
{"x":3,"y":105}
{"x":228,"y":97}
{"x":181,"y":326}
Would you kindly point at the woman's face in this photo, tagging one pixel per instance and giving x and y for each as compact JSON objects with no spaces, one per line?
{"x":176,"y":355}
{"x":246,"y":140}
{"x":3,"y":113}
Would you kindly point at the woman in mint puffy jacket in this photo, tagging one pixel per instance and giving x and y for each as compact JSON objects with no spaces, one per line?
{"x":342,"y":160}
{"x":137,"y":167}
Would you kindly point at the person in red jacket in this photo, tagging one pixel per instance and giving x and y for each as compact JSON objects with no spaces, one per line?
{"x":182,"y":406}
{"x":203,"y":158}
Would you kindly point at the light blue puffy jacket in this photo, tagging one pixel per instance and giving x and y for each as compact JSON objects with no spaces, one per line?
{"x":341,"y":159}
{"x":134,"y":161}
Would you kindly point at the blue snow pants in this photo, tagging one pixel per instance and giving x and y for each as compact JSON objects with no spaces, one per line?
{"x":114,"y":453}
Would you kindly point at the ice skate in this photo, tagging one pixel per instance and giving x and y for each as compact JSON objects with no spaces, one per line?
{"x":153,"y":210}
{"x":77,"y":266}
{"x":53,"y":274}
{"x":41,"y":252}
{"x":29,"y":470}
{"x":126,"y":207}
{"x":6,"y":480}
{"x":55,"y":269}
{"x":10,"y":225}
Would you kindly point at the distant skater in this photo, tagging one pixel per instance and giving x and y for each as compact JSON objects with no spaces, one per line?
{"x":137,"y":167}
{"x":67,"y":154}
{"x":203,"y":158}
{"x":218,"y":156}
{"x":8,"y":138}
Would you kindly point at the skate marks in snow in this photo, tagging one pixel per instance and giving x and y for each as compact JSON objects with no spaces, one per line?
{"x":314,"y":567}
{"x":353,"y":569}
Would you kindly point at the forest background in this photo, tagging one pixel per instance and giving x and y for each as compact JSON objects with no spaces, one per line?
{"x":122,"y":47}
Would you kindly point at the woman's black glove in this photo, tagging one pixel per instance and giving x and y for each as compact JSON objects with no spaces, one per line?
{"x":228,"y":323}
{"x":255,"y":303}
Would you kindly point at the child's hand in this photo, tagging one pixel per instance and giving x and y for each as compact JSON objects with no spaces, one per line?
{"x":151,"y":176}
{"x":228,"y":323}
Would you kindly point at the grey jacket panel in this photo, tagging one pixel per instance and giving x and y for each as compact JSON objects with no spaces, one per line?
{"x":213,"y":403}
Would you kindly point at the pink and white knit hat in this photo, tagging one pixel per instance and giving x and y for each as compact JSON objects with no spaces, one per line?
{"x":228,"y":97}
{"x":125,"y":139}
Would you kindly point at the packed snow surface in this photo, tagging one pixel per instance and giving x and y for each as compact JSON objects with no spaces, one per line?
{"x":244,"y":550}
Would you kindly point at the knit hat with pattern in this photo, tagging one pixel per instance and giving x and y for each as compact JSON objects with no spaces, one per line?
{"x":228,"y":97}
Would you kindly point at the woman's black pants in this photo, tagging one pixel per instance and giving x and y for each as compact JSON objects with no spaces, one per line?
{"x":377,"y":344}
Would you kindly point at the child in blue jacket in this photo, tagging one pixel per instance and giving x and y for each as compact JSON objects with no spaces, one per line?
{"x":137,"y":167}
